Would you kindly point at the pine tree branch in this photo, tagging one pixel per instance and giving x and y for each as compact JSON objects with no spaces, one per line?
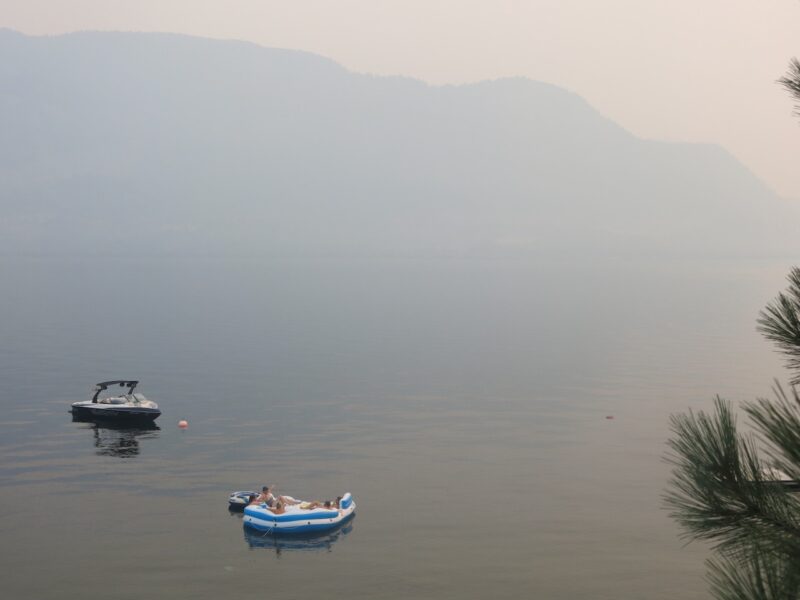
{"x":718,"y":489}
{"x":778,"y":423}
{"x":763,"y":576}
{"x":780,"y":322}
{"x":791,"y":81}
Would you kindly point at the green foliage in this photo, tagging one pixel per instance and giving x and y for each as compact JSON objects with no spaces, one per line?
{"x":791,"y":81}
{"x":780,"y":323}
{"x":779,"y":423}
{"x":761,"y":577}
{"x":722,"y":490}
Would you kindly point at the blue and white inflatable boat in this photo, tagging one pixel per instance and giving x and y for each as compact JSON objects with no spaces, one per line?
{"x":298,"y":542}
{"x":299,"y":520}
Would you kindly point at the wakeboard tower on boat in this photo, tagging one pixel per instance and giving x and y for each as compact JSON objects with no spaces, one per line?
{"x":123,"y":407}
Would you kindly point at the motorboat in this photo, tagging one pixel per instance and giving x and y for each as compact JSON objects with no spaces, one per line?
{"x":128,"y":407}
{"x":296,"y":519}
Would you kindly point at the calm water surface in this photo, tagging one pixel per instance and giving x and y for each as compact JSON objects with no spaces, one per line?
{"x":463,"y":404}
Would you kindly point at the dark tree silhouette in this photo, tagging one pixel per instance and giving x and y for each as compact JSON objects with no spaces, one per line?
{"x":780,"y":323}
{"x":791,"y":81}
{"x":723,"y":491}
{"x":724,"y":488}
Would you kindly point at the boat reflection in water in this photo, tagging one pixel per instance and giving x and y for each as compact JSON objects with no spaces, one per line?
{"x":118,"y":439}
{"x":298,"y":542}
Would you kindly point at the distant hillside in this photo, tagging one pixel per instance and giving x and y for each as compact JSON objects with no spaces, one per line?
{"x":132,"y":143}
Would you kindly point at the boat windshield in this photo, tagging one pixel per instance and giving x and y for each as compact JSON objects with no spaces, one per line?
{"x":113,"y":400}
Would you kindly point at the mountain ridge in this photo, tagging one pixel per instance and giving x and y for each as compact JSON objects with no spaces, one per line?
{"x":236,"y":148}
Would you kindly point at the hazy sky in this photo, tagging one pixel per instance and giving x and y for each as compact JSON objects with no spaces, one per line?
{"x":688,"y":70}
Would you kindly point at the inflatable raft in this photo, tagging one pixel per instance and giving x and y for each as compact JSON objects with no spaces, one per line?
{"x":238,"y":500}
{"x":298,"y":542}
{"x":299,"y":520}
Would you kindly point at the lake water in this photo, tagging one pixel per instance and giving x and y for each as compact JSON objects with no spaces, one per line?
{"x":463,"y":404}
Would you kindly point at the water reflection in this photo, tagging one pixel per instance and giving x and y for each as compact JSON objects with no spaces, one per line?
{"x":308,"y":542}
{"x":119,"y":439}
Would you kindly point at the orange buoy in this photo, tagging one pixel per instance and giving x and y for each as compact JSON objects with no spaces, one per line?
{"x":183,"y":424}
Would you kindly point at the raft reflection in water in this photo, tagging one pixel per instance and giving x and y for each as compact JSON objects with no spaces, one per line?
{"x":119,"y":439}
{"x":298,"y":542}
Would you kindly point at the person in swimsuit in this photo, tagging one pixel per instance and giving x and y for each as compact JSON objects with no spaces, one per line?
{"x":317,"y":504}
{"x":265,"y":496}
{"x":279,"y":508}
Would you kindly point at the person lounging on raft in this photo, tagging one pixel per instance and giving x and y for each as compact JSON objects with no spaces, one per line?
{"x":279,"y":508}
{"x":267,"y":497}
{"x":329,"y":504}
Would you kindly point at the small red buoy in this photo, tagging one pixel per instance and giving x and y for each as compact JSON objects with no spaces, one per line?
{"x":183,"y":424}
{"x":610,"y":417}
